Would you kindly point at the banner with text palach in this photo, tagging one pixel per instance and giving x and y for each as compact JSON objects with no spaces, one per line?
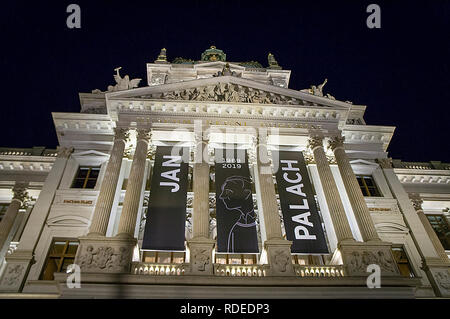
{"x":166,"y":214}
{"x":301,"y":218}
{"x":236,"y":218}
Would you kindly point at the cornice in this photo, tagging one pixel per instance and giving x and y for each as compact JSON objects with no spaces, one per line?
{"x":420,"y":176}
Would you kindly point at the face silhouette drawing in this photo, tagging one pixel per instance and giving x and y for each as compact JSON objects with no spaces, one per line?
{"x":236,"y":195}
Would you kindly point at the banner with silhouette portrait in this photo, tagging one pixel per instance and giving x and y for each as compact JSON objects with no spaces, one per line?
{"x":166,"y":214}
{"x":236,"y":218}
{"x":300,"y":216}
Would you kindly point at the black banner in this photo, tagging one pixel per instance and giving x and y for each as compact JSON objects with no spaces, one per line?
{"x":166,"y":214}
{"x":301,"y":219}
{"x":236,"y":218}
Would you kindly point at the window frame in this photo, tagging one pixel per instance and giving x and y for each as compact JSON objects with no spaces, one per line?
{"x":446,"y":245}
{"x":64,"y":255}
{"x":365,"y":189}
{"x":412,"y":273}
{"x":87,"y":178}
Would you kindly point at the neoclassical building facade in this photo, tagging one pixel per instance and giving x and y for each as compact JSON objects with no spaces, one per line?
{"x":217,"y":180}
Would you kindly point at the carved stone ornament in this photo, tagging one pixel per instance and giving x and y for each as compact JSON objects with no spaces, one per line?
{"x":12,"y":275}
{"x":201,"y":259}
{"x":443,"y":279}
{"x":281,"y":260}
{"x":358,"y":261}
{"x":20,"y":192}
{"x":227,"y":92}
{"x":416,"y":201}
{"x":331,"y":159}
{"x":105,"y":258}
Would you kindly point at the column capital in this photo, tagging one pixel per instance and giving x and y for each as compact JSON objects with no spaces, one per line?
{"x":64,"y":152}
{"x":315,"y":141}
{"x":20,"y":192}
{"x":144,"y":134}
{"x":336,"y":142}
{"x":416,"y":201}
{"x":121,"y":133}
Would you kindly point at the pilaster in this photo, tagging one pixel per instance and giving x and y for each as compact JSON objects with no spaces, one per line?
{"x":201,"y":246}
{"x":278,"y":249}
{"x":19,"y":262}
{"x":19,"y":196}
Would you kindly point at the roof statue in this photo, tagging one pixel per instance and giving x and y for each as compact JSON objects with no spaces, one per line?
{"x":273,"y":64}
{"x":226,"y":71}
{"x":162,"y":57}
{"x":318,"y":90}
{"x":123,"y":83}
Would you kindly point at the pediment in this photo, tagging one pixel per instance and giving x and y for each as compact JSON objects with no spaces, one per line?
{"x":229,"y":89}
{"x":363,"y":162}
{"x":89,"y":153}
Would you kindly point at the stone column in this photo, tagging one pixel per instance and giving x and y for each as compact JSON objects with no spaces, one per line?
{"x":19,"y":195}
{"x":105,"y":199}
{"x":335,"y":206}
{"x":127,"y":223}
{"x":201,"y":246}
{"x":100,"y":254}
{"x":19,"y":262}
{"x":417,"y":203}
{"x":359,"y":206}
{"x":277,"y":248}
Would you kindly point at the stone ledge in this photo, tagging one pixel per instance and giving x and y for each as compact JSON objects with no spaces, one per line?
{"x":101,"y":278}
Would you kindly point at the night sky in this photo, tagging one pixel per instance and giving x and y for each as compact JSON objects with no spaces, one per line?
{"x":401,"y":71}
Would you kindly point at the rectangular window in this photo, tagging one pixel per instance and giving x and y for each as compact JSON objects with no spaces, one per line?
{"x":86,"y":177}
{"x":368,"y":186}
{"x":60,"y":256}
{"x":402,"y":261}
{"x":441,"y":228}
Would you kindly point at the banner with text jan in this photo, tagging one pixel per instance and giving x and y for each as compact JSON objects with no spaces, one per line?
{"x":236,"y":218}
{"x":166,"y":214}
{"x":301,"y":219}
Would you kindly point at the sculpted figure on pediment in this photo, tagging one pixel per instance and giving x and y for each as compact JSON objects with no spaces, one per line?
{"x":228,"y":93}
{"x":185,"y":95}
